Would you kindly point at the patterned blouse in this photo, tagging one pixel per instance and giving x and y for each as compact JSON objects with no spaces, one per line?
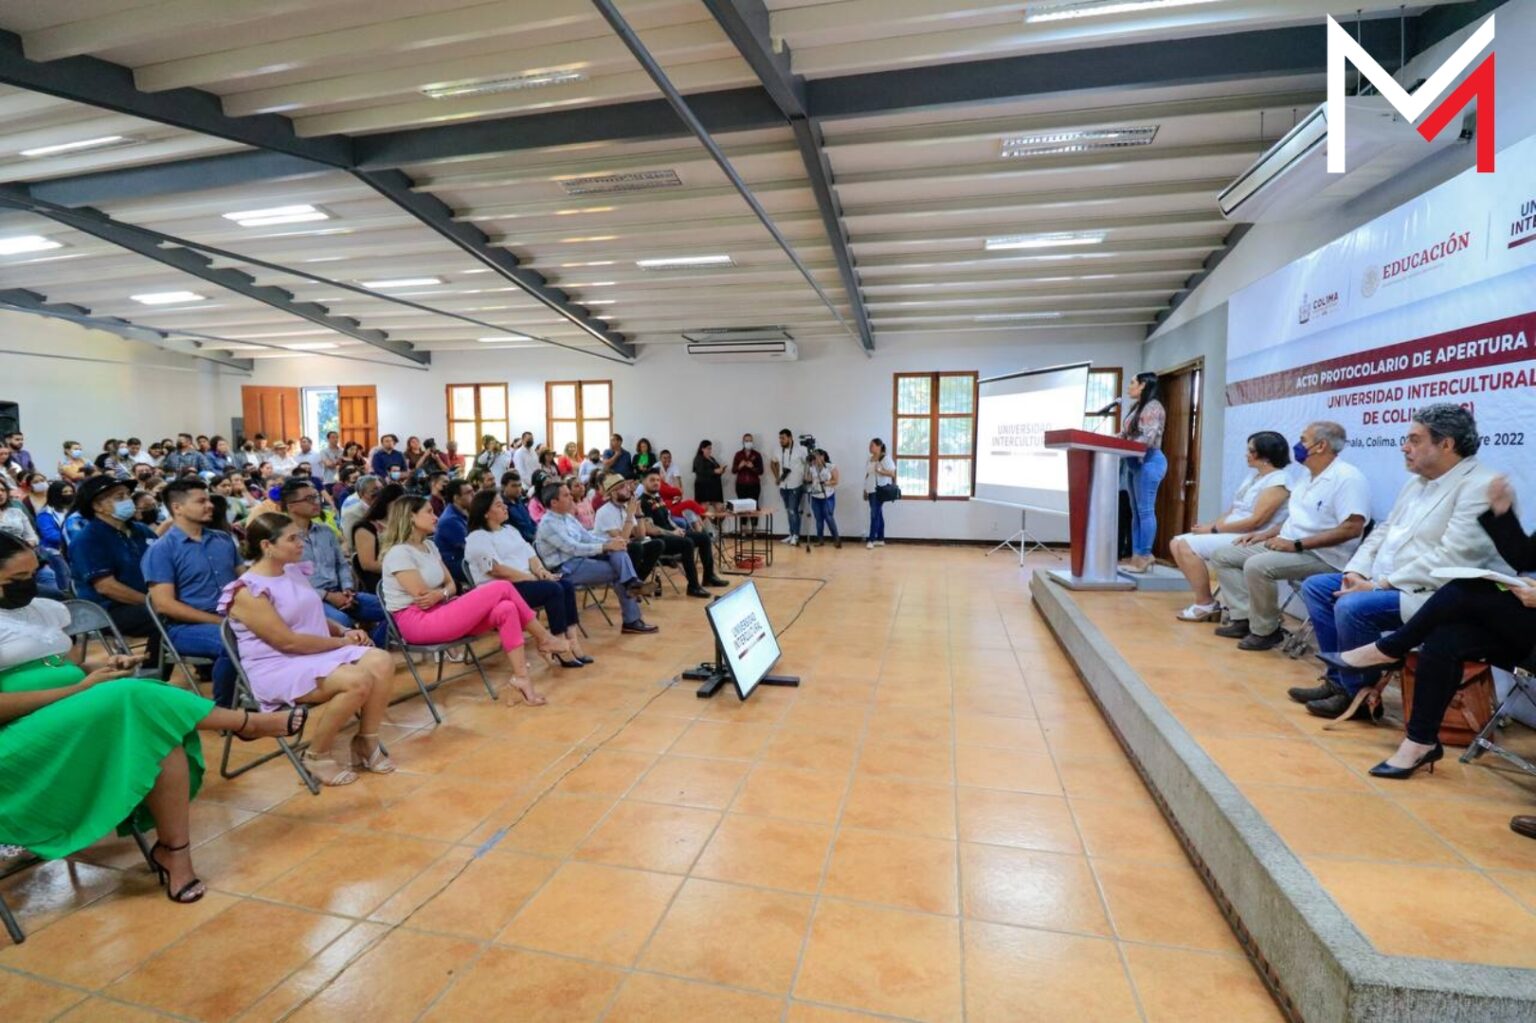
{"x":1148,"y":427}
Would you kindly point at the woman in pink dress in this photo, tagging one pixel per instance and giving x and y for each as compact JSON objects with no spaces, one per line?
{"x":293,"y":654}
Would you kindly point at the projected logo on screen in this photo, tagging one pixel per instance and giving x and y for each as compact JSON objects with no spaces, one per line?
{"x":1017,"y":438}
{"x":748,"y":633}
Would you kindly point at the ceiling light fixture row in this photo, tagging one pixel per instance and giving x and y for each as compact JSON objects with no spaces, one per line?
{"x":100,"y":142}
{"x":298,"y":213}
{"x":684,"y":262}
{"x":1066,"y":10}
{"x":1082,"y":140}
{"x":21,"y":244}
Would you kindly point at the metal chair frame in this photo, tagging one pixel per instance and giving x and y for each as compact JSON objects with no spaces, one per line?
{"x":1483,"y":743}
{"x":245,"y":699}
{"x":183,"y":662}
{"x":438,"y":651}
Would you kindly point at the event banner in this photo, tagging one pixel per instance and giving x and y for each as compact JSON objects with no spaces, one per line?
{"x":1432,"y":302}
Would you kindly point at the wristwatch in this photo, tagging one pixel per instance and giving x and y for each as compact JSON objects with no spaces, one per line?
{"x":1299,"y":547}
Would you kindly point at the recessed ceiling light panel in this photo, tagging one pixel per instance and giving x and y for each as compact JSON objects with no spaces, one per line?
{"x":997,"y":317}
{"x":166,"y":297}
{"x":298,"y":213}
{"x":19,"y":244}
{"x":503,"y":338}
{"x":1065,"y":10}
{"x":684,"y":262}
{"x":1049,"y":240}
{"x":1081,"y":140}
{"x":501,"y":83}
{"x":613,"y":184}
{"x":402,"y":282}
{"x":100,"y":142}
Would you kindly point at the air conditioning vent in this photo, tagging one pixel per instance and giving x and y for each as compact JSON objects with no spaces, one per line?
{"x":1081,"y":140}
{"x":501,"y":83}
{"x":617,"y":184}
{"x":742,"y":344}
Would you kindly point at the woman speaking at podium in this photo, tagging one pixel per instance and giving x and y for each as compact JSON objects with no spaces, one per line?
{"x":1140,"y":477}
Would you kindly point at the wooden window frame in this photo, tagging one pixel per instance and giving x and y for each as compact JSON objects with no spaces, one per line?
{"x":479,"y":420}
{"x":1119,"y":372}
{"x":549,"y":410}
{"x":934,"y":416}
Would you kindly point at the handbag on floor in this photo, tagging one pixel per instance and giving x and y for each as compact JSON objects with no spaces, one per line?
{"x":1471,"y":708}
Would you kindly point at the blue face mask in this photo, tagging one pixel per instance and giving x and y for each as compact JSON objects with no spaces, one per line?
{"x":1300,"y":451}
{"x":123,"y":509}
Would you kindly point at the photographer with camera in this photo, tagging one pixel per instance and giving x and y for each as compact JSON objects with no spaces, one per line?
{"x":789,"y":470}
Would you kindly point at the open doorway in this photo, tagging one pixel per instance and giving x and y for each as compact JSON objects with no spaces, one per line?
{"x":1178,"y":501}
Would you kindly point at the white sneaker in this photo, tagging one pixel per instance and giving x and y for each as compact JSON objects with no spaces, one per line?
{"x":789,"y":540}
{"x":794,"y":540}
{"x":879,"y":543}
{"x":869,"y":546}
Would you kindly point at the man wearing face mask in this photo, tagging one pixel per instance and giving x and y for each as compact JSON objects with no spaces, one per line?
{"x":747,"y":464}
{"x":387,"y":463}
{"x":106,"y":555}
{"x":593,"y":463}
{"x":1326,"y":514}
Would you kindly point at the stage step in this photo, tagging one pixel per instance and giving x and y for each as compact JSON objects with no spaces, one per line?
{"x":1323,"y":968}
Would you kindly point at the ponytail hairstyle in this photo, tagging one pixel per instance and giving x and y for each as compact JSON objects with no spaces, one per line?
{"x":266,"y":526}
{"x":1148,"y":394}
{"x":880,"y":442}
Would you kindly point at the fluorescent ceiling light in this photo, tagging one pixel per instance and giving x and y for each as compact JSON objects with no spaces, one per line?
{"x":597,"y":301}
{"x":617,"y":184}
{"x":1080,"y":140}
{"x":989,"y":317}
{"x":27,"y":243}
{"x":402,"y":282}
{"x":503,"y":83}
{"x":297,"y":214}
{"x":100,"y":142}
{"x":684,"y":262}
{"x":1045,"y":241}
{"x":1064,"y":10}
{"x":503,"y":338}
{"x":166,"y":297}
{"x":311,"y":346}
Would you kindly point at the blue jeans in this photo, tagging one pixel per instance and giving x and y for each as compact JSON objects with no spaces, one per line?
{"x":876,"y":518}
{"x":369,"y":615}
{"x":1343,"y":623}
{"x":792,"y":508}
{"x":825,"y":510}
{"x":201,"y":639}
{"x":1141,"y":477}
{"x":615,"y":570}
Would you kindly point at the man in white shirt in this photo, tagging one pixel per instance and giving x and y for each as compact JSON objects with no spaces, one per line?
{"x":619,"y":517}
{"x":1326,"y":514}
{"x":330,"y":457}
{"x":789,"y":473}
{"x":282,"y":462}
{"x":525,"y":459}
{"x":1433,"y":524}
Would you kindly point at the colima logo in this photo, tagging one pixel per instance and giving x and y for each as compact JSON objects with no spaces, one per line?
{"x":1478,"y":85}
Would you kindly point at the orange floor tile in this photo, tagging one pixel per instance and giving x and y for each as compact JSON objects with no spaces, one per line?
{"x":1425,"y":867}
{"x":936,"y":826}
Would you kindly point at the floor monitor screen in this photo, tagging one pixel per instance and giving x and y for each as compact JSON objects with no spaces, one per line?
{"x":741,"y":625}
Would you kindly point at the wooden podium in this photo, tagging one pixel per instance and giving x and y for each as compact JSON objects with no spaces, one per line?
{"x":1093,"y":499}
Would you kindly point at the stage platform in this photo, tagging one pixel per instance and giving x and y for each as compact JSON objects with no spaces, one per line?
{"x":1362,"y":900}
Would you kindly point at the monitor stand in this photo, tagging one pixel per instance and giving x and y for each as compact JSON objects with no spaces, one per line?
{"x":716,"y":673}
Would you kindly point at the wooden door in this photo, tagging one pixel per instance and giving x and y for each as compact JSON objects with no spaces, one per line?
{"x":273,"y":411}
{"x":1178,"y":499}
{"x":358,"y":409}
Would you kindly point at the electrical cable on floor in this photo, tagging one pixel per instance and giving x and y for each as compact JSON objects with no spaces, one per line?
{"x":503,"y":831}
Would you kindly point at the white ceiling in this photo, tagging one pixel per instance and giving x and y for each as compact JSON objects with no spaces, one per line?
{"x":920,"y":190}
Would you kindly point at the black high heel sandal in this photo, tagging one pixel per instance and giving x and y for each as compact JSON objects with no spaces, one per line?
{"x":1386,"y":770}
{"x":559,"y":658}
{"x":296,"y":720}
{"x":164,"y":874}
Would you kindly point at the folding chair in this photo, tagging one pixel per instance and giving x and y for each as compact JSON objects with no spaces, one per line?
{"x":439,"y":652}
{"x":668,"y":565}
{"x":88,"y":621}
{"x":1521,"y":690}
{"x":26,"y":861}
{"x":245,"y":699}
{"x":183,"y":662}
{"x":591,"y":599}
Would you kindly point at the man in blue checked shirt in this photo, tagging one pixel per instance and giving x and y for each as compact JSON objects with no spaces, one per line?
{"x":587,"y":558}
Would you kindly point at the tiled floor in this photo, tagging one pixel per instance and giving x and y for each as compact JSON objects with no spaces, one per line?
{"x":1426,"y":867}
{"x":936,"y":826}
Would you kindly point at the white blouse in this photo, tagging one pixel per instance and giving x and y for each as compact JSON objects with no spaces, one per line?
{"x":1248,"y":492}
{"x":485,"y":548}
{"x":33,"y":632}
{"x":872,"y":479}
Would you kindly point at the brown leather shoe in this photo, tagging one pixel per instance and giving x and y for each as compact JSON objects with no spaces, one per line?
{"x":1523,"y":826}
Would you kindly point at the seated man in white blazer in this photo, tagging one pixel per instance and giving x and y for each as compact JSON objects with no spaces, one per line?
{"x":1433,"y":524}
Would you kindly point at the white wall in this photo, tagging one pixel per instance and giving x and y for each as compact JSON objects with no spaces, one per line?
{"x":834,"y":392}
{"x":74,"y":383}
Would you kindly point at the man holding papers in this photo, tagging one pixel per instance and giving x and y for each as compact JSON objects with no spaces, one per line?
{"x":1433,"y":525}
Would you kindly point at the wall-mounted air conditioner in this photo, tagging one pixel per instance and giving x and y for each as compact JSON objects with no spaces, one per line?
{"x":1291,"y":180}
{"x":742,"y":344}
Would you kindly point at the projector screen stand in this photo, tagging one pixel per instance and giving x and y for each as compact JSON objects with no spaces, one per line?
{"x":1027,"y":543}
{"x":716,"y":673}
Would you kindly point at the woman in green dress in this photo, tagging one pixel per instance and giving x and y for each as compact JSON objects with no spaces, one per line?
{"x":85,"y":751}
